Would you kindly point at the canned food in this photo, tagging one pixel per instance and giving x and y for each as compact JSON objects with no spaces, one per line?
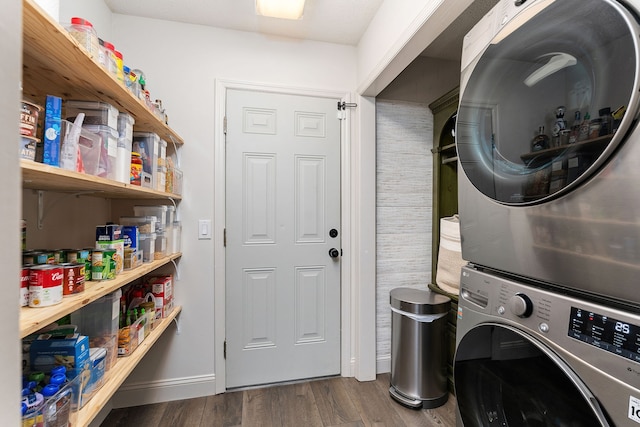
{"x":71,"y":255}
{"x":29,"y":113}
{"x":59,"y":256}
{"x":84,"y":255}
{"x":98,"y":271}
{"x":28,"y":257}
{"x":45,"y":285}
{"x":24,"y":286}
{"x":44,"y":257}
{"x":72,"y":278}
{"x":109,"y":257}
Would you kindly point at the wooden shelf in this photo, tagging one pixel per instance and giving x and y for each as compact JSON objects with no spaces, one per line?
{"x":38,"y":176}
{"x":55,"y":64}
{"x":121,"y":370}
{"x":588,"y":145}
{"x":33,"y":319}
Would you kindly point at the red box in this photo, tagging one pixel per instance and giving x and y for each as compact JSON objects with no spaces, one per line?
{"x":162,"y":290}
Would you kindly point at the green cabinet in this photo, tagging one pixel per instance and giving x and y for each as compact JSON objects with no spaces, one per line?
{"x":445,"y":195}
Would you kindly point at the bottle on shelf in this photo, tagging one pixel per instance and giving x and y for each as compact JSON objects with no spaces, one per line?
{"x":559,"y":125}
{"x":540,"y":141}
{"x":583,"y":133}
{"x":575,"y":128}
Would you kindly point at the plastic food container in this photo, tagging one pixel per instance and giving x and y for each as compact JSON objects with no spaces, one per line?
{"x":107,"y":57}
{"x":148,"y":246}
{"x":160,"y":212}
{"x":160,"y":246}
{"x":96,"y":113}
{"x":29,"y":113}
{"x":84,"y":33}
{"x":145,"y":224}
{"x":147,"y":144}
{"x":108,"y":149}
{"x":90,"y":146}
{"x":123,"y":154}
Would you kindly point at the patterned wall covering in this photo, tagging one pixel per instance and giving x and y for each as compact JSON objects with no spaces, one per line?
{"x":403,"y":208}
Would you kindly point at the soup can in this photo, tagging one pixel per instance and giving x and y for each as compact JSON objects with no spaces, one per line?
{"x":84,"y":255}
{"x":98,"y":265}
{"x":71,"y":255}
{"x":72,"y":278}
{"x":45,"y":285}
{"x":43,"y":257}
{"x":24,"y":286}
{"x":28,"y":257}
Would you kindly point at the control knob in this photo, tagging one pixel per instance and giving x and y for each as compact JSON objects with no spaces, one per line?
{"x":521,"y":305}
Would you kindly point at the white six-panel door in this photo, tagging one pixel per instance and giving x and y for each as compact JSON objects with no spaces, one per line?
{"x":283,"y":200}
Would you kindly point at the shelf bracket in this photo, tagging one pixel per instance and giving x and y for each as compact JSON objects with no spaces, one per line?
{"x":41,"y":203}
{"x":175,"y":150}
{"x":178,"y":330}
{"x":177,"y":268}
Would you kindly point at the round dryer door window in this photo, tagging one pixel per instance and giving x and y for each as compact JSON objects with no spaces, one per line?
{"x":504,"y":378}
{"x":546,"y":103}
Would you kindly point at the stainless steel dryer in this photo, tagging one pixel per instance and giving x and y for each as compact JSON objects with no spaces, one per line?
{"x":549,"y":146}
{"x":530,"y":357}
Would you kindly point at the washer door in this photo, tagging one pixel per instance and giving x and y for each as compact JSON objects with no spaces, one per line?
{"x":505,"y":378}
{"x":544,"y":105}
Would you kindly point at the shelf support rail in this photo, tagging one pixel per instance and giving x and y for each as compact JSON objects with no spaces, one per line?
{"x":178,"y":330}
{"x":41,"y":203}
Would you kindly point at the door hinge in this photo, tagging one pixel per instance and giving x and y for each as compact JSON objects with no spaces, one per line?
{"x":224,"y":238}
{"x":224,"y":125}
{"x":224,"y":349}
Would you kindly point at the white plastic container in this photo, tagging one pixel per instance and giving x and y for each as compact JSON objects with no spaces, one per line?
{"x":161,"y":172}
{"x":177,"y":237}
{"x":145,"y":224}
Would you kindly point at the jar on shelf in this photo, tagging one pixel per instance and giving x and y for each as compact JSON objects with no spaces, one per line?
{"x":119,"y":66}
{"x":84,"y":33}
{"x":108,"y":57}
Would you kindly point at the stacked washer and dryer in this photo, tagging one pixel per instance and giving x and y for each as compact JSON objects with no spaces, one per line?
{"x":548,"y":145}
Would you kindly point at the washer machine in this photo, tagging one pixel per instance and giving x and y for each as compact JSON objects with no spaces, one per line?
{"x":527,"y":356}
{"x":549,"y":147}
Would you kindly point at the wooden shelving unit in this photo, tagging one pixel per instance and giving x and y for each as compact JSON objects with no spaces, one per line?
{"x":33,"y":319}
{"x":55,"y":64}
{"x":38,"y":176}
{"x":595,"y":144}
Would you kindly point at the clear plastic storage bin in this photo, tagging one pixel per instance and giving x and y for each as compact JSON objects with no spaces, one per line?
{"x":125,"y":142}
{"x":99,"y":321}
{"x":146,"y":224}
{"x":90,"y":146}
{"x":160,"y":212}
{"x":96,"y":113}
{"x":147,"y":144}
{"x":148,"y":246}
{"x":109,"y":149}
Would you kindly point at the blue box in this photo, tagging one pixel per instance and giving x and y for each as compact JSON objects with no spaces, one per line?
{"x":51,"y":133}
{"x":131,"y":237}
{"x":52,"y":349}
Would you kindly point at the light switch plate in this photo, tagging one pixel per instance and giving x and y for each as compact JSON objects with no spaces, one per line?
{"x":204,"y":229}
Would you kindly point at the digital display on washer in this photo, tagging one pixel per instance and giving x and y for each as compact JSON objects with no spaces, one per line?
{"x":606,"y":333}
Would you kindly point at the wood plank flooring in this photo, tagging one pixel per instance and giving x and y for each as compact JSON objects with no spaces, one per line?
{"x":333,"y":402}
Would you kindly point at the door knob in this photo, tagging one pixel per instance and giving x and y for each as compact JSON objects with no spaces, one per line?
{"x":334,"y":253}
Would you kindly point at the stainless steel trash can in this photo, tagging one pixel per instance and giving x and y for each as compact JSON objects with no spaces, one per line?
{"x":418,"y":347}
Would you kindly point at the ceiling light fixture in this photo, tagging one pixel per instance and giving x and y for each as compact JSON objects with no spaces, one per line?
{"x":285,"y":9}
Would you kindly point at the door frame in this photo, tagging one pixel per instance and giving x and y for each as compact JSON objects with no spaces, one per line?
{"x":355,"y":301}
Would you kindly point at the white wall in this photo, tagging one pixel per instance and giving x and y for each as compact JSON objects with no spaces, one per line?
{"x":404,"y":208}
{"x":183,"y":76}
{"x":10,"y":76}
{"x":95,"y":11}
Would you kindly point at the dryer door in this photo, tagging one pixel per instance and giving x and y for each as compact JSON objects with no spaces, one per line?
{"x":543,"y":106}
{"x":504,"y":378}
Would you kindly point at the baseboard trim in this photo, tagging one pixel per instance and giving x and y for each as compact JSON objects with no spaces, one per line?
{"x":145,"y":393}
{"x":383,"y":364}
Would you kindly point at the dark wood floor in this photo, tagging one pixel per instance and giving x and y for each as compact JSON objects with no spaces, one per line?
{"x":333,"y":402}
